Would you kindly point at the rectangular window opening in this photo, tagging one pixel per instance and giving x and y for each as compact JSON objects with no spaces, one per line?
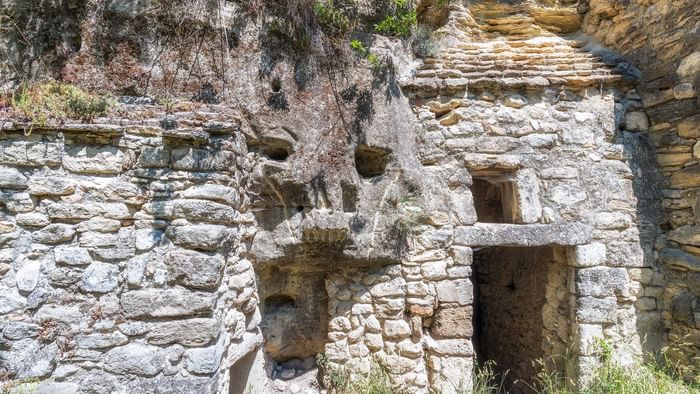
{"x":494,"y":199}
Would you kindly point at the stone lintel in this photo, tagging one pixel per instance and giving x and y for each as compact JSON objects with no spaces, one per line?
{"x":497,"y":234}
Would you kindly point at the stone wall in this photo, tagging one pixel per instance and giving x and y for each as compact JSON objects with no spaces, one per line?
{"x":120,"y":256}
{"x":663,"y":39}
{"x":216,"y":250}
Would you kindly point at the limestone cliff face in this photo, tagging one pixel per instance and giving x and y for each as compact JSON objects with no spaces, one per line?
{"x":514,"y":194}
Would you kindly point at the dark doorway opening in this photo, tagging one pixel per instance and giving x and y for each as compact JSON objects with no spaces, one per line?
{"x":510,"y":286}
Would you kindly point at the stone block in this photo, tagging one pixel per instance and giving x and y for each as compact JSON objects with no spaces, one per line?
{"x":101,"y":341}
{"x":449,"y":347}
{"x":99,"y":224}
{"x":69,"y":314}
{"x":197,"y":210}
{"x":218,"y":193}
{"x":392,"y":288}
{"x":51,"y":186}
{"x":189,"y":332}
{"x":193,"y":159}
{"x":32,"y":219}
{"x":17,"y":202}
{"x":515,"y":101}
{"x":636,"y":121}
{"x":679,"y":260}
{"x":497,"y":234}
{"x":455,"y":322}
{"x":30,"y":153}
{"x":10,"y":178}
{"x":199,"y":237}
{"x":625,"y":254}
{"x":458,"y":291}
{"x":135,"y":359}
{"x":434,"y":270}
{"x":527,"y":196}
{"x":51,"y":387}
{"x":587,"y":255}
{"x":461,"y":255}
{"x":686,"y":235}
{"x":596,"y":310}
{"x":600,"y":281}
{"x":165,"y":303}
{"x":154,"y":157}
{"x":194,"y":269}
{"x":396,"y":329}
{"x":27,"y":276}
{"x":689,"y":67}
{"x":101,"y":160}
{"x":54,"y":234}
{"x":100,"y":278}
{"x":689,"y":127}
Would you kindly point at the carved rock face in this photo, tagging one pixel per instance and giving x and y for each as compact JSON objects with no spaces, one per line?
{"x":327,"y":169}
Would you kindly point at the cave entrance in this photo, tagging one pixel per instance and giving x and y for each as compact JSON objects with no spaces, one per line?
{"x":294,"y":306}
{"x":520,"y":310}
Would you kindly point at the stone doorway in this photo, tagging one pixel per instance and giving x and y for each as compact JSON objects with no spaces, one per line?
{"x":520,"y":310}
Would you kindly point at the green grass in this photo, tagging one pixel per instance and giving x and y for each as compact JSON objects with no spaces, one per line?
{"x":339,"y":380}
{"x":52,"y":101}
{"x":657,"y":375}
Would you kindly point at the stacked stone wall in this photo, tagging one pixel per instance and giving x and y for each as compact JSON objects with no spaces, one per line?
{"x":663,"y":39}
{"x":119,"y":251}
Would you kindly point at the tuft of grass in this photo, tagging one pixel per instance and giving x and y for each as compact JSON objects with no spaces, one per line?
{"x":339,"y":379}
{"x":655,"y":376}
{"x":332,"y":19}
{"x":485,"y":380}
{"x":45,"y":102}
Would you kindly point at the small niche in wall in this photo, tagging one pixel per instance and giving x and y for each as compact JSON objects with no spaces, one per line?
{"x":294,"y":312}
{"x":349,"y":197}
{"x":371,"y":161}
{"x":494,"y":199}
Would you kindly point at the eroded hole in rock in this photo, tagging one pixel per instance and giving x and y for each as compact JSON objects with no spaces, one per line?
{"x":276,"y":147}
{"x":275,"y":85}
{"x":494,"y":200}
{"x":520,"y":310}
{"x":371,"y":161}
{"x":349,"y":197}
{"x":294,"y":317}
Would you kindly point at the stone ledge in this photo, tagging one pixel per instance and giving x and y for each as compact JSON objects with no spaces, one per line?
{"x":679,"y":260}
{"x":496,"y":234}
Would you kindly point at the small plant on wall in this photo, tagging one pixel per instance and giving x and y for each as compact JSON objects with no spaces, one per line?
{"x":339,"y":380}
{"x":54,"y":102}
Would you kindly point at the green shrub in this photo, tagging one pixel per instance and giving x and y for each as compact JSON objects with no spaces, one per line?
{"x":400,"y":20}
{"x":53,"y":101}
{"x":401,"y":24}
{"x":358,"y":47}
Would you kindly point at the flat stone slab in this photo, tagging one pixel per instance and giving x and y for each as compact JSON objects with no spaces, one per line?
{"x":498,"y":234}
